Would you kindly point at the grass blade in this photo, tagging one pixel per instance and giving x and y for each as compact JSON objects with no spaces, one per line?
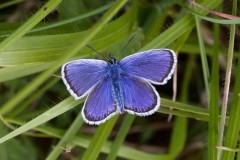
{"x":128,"y":120}
{"x":66,"y":138}
{"x":35,"y":19}
{"x":214,"y":98}
{"x":227,"y":81}
{"x":62,"y":107}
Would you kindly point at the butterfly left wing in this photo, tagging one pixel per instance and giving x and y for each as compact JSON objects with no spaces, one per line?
{"x":99,"y":105}
{"x":80,"y":76}
{"x":139,"y":96}
{"x":156,"y":66}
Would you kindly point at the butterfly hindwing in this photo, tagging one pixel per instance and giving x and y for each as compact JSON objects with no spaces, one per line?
{"x":155,"y":65}
{"x":81,"y":75}
{"x":140,"y":97}
{"x":99,"y":105}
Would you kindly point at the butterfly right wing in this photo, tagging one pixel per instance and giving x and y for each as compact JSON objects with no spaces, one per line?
{"x":80,"y":76}
{"x":156,"y":66}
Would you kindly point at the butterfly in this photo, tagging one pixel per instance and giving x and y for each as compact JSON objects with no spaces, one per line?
{"x":119,"y":86}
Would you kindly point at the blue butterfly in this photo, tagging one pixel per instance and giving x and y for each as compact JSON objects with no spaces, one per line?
{"x":119,"y":86}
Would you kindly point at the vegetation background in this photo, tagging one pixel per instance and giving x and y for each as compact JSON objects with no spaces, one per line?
{"x":39,"y":118}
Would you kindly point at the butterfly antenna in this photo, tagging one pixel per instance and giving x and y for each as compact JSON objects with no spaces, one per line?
{"x":127,"y":44}
{"x":97,"y":52}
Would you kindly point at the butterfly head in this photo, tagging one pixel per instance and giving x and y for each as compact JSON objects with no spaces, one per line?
{"x":112,"y":60}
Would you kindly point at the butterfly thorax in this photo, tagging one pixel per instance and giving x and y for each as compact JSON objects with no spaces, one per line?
{"x":114,"y":74}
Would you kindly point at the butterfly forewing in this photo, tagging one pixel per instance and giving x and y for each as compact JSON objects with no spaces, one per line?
{"x":99,"y":105}
{"x":81,"y":75}
{"x":155,"y":65}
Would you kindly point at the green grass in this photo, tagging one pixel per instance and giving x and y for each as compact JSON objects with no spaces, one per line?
{"x":38,"y":114}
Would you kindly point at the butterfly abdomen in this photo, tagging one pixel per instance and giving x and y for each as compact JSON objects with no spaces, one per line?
{"x":115,"y":75}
